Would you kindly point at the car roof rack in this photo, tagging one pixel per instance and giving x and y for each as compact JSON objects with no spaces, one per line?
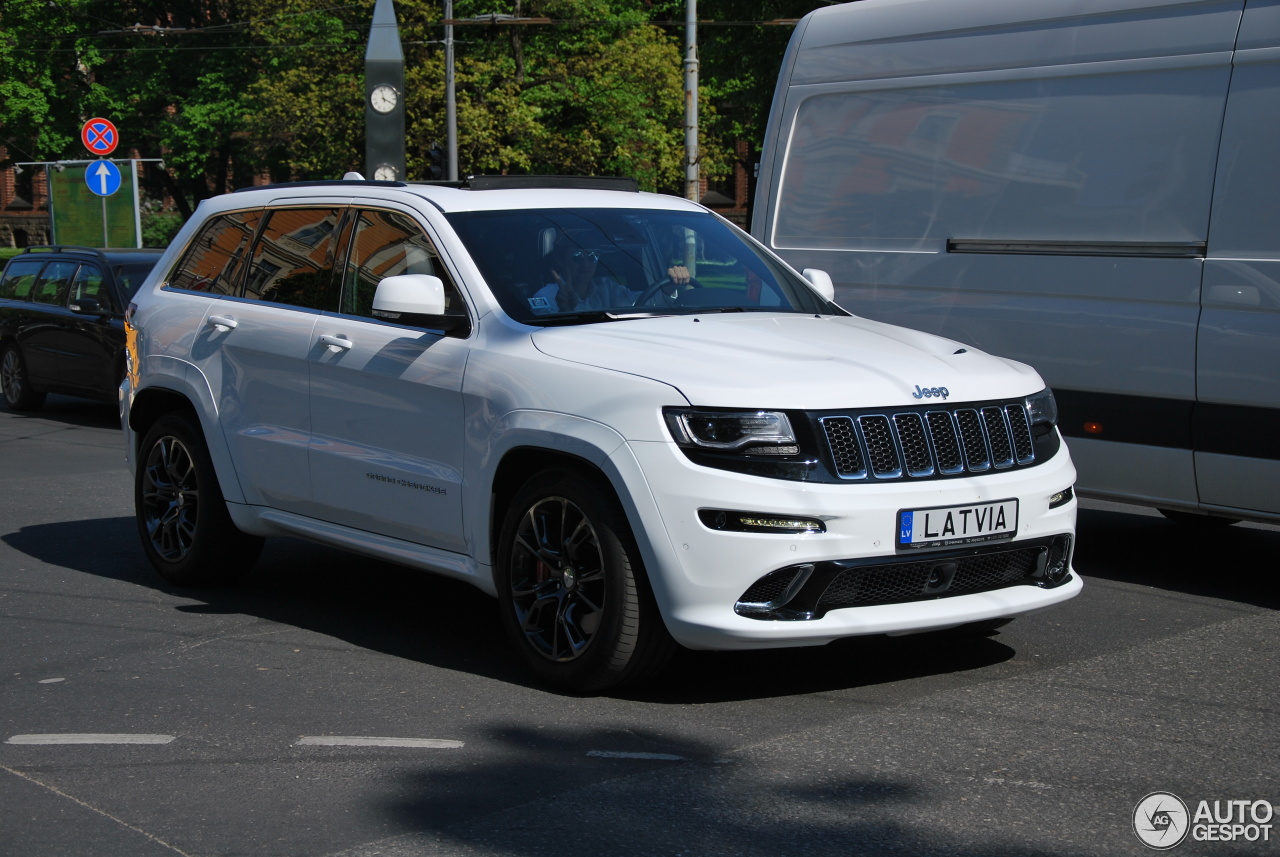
{"x":60,"y":248}
{"x":622,"y":183}
{"x":321,"y":183}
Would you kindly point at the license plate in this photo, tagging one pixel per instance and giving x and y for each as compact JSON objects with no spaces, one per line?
{"x":946,"y":526}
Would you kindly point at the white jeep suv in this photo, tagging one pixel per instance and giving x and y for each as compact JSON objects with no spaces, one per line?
{"x":614,"y":411}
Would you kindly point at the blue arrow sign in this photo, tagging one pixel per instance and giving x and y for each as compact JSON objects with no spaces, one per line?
{"x":102,"y":177}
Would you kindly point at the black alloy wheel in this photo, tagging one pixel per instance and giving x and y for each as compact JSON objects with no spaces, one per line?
{"x":18,"y":395}
{"x":183,"y":521}
{"x":574,"y":598}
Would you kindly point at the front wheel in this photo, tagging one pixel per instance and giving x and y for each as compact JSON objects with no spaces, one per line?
{"x":15,"y":383}
{"x":574,"y":598}
{"x":186,"y":531}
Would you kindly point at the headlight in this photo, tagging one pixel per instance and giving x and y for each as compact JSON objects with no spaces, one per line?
{"x":756,"y":432}
{"x":1041,"y":408}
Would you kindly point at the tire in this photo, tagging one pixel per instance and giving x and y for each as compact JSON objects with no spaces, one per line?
{"x":16,"y":385}
{"x":1191,"y":519}
{"x":187,"y":533}
{"x":574,"y":598}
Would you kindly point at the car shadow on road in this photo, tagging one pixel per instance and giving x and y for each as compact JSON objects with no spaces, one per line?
{"x":540,"y":796}
{"x":449,"y":624}
{"x":68,"y":410}
{"x":1232,"y":563}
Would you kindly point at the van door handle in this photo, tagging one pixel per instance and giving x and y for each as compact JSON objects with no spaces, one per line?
{"x":337,"y":343}
{"x":223,"y":322}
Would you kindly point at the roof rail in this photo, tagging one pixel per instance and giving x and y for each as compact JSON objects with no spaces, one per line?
{"x":322,"y":183}
{"x":623,"y":183}
{"x":58,"y":248}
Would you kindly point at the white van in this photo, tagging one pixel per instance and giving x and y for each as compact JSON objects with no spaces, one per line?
{"x":1088,"y":186}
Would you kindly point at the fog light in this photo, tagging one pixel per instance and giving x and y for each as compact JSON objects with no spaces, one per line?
{"x":1062,"y":498}
{"x":758,"y":522}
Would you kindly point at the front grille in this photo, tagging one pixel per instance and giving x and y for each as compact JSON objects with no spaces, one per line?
{"x":923,"y":443}
{"x":896,"y":582}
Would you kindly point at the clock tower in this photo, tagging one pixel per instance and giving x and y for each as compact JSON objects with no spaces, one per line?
{"x":384,"y":97}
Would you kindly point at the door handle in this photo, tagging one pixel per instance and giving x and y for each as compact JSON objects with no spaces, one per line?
{"x":222,"y":322}
{"x":337,"y":343}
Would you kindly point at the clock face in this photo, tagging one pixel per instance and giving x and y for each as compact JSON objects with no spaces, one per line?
{"x":383,"y":98}
{"x":384,"y":173}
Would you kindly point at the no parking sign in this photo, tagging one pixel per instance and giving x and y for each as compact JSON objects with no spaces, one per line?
{"x":100,"y":136}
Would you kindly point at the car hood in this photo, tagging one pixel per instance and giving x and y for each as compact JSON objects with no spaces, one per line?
{"x":790,"y":361}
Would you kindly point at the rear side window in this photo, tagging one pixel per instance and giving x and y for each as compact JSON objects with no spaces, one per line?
{"x":51,"y":287}
{"x":213,"y":263}
{"x":19,"y":278}
{"x":293,"y":259}
{"x":388,"y":243}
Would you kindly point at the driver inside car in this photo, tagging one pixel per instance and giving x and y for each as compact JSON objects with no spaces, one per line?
{"x":577,"y":285}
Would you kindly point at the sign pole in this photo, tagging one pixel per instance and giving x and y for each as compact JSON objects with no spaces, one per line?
{"x":137,"y":205}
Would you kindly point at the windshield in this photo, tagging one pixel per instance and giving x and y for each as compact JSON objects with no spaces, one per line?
{"x":565,"y":266}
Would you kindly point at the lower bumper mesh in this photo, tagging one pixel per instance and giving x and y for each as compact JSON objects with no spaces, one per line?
{"x":810,"y":590}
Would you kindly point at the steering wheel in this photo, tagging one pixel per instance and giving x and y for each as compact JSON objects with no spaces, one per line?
{"x":665,"y":287}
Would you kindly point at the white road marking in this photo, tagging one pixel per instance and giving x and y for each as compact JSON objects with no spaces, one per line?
{"x":73,"y":738}
{"x":51,"y":680}
{"x":613,"y":754}
{"x":369,"y":741}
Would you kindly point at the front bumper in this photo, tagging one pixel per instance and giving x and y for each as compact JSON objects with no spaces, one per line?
{"x":699,"y":574}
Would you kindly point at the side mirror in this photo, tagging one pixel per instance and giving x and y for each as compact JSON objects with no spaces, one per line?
{"x":89,"y":306}
{"x":417,"y":300}
{"x":821,"y":281}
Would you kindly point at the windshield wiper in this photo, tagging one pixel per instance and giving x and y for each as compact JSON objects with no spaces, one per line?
{"x":591,"y":316}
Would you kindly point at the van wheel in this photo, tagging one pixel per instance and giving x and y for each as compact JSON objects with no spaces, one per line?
{"x":1191,"y":519}
{"x":186,"y":530}
{"x":574,"y":598}
{"x":18,"y":395}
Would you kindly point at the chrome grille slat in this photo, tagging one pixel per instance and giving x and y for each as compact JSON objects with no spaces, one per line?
{"x":915,"y":447}
{"x":882,"y":453}
{"x":942,"y":431}
{"x":844,"y":447}
{"x":998,"y":435}
{"x":1023,"y":448}
{"x":919,"y":444}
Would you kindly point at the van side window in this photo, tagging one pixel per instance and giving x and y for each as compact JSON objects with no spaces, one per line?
{"x":213,"y":263}
{"x":19,"y":279}
{"x":387,"y":243}
{"x":292,"y":261}
{"x":1247,"y":195}
{"x":1103,"y":157}
{"x":51,"y":288}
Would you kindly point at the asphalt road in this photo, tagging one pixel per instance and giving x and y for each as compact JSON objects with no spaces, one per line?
{"x":240,"y":722}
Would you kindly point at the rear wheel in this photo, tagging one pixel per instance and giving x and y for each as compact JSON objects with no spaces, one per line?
{"x":18,"y":395}
{"x":574,"y":597}
{"x":186,"y":530}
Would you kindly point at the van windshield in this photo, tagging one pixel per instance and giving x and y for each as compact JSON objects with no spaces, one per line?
{"x":567,"y":266}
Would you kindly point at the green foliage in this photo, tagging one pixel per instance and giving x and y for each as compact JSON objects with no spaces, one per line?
{"x":159,"y":227}
{"x":231,"y":90}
